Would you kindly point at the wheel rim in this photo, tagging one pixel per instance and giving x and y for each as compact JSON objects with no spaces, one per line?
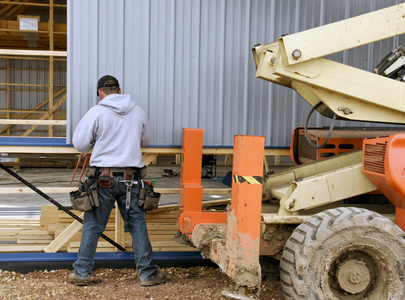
{"x":346,"y":254}
{"x":353,"y":274}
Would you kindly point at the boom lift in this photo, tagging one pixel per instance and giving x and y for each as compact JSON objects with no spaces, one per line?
{"x":330,"y":243}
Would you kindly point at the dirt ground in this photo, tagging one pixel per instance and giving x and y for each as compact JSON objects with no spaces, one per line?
{"x":201,"y":282}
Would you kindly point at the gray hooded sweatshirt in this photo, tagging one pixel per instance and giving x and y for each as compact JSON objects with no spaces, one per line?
{"x":116,"y":128}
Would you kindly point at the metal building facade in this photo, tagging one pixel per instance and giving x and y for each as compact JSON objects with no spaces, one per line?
{"x":188,"y":63}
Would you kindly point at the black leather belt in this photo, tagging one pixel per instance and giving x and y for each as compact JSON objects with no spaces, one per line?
{"x":114,"y":171}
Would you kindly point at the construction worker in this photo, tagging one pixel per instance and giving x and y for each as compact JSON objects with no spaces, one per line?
{"x":116,"y":129}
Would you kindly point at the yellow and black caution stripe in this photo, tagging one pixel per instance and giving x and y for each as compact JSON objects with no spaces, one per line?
{"x":248,"y":179}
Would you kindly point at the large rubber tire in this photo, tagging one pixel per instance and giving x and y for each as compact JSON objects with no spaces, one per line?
{"x":344,"y":253}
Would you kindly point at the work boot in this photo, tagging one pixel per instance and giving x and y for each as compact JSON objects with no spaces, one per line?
{"x":156,"y":279}
{"x":73,"y":279}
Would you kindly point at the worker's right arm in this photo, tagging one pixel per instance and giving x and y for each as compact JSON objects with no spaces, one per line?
{"x":84,"y":136}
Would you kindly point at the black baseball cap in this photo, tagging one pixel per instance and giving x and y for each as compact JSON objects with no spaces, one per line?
{"x":107,"y":81}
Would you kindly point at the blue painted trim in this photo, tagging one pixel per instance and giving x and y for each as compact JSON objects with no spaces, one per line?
{"x":33,"y":141}
{"x":216,"y":146}
{"x":54,"y":142}
{"x":99,"y":256}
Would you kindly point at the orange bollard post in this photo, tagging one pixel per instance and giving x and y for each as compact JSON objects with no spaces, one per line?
{"x":242,"y":247}
{"x":191,"y":190}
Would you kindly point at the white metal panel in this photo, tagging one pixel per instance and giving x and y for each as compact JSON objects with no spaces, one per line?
{"x":188,"y":63}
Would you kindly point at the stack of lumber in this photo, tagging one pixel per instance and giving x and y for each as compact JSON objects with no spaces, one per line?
{"x":162,"y":226}
{"x":23,"y":235}
{"x":56,"y":231}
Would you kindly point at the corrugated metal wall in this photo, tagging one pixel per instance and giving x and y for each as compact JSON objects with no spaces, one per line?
{"x":188,"y":63}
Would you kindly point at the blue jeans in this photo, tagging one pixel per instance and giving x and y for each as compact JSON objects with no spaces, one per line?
{"x":96,"y":220}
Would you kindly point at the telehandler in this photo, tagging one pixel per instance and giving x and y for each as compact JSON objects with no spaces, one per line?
{"x":336,"y":220}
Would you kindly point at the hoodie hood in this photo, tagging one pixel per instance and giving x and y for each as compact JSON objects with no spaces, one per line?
{"x":120,"y":104}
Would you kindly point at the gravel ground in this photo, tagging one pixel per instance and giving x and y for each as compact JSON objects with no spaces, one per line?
{"x":183,"y":283}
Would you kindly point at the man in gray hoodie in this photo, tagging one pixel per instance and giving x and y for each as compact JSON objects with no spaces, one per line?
{"x":116,"y":129}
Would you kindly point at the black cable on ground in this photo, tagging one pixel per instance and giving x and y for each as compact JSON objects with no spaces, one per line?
{"x":60,"y":206}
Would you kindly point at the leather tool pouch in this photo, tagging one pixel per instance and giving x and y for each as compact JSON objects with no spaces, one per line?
{"x":105,"y":181}
{"x":142,"y":172}
{"x":148,"y":199}
{"x":85,"y":198}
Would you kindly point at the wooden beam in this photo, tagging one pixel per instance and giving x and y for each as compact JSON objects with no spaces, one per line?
{"x":33,"y":122}
{"x":12,"y":9}
{"x":20,"y":11}
{"x":30,"y":4}
{"x":33,"y":52}
{"x":51,"y":108}
{"x":21,"y":248}
{"x":35,"y":108}
{"x":148,"y":158}
{"x":8,"y":96}
{"x":158,"y":150}
{"x":119,"y":229}
{"x":65,"y":236}
{"x":46,"y":190}
{"x":66,"y":190}
{"x":5,"y":8}
{"x":17,"y":113}
{"x":50,"y":111}
{"x":23,"y":84}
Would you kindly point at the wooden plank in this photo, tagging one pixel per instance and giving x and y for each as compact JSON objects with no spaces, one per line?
{"x":36,"y":237}
{"x":18,"y":226}
{"x":266,"y":165}
{"x":30,"y":242}
{"x":27,"y":114}
{"x":33,"y":122}
{"x":14,"y":3}
{"x":26,"y":190}
{"x":57,"y":243}
{"x":148,"y":158}
{"x":22,"y":232}
{"x":52,"y":108}
{"x":119,"y":229}
{"x":32,"y":52}
{"x":63,"y":190}
{"x":72,"y":150}
{"x":21,"y":248}
{"x":8,"y":94}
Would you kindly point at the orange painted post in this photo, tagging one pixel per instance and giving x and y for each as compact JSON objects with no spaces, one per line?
{"x":400,"y":217}
{"x":191,"y":190}
{"x":244,"y":217}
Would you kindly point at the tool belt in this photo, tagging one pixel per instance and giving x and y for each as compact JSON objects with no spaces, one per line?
{"x":106,"y":180}
{"x":148,"y":200}
{"x":86,"y":198}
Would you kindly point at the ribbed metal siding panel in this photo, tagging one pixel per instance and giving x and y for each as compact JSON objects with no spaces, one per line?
{"x":82,"y":47}
{"x":189,"y":64}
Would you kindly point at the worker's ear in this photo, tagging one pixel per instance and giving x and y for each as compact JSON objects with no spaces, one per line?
{"x":101,"y":94}
{"x":119,"y":91}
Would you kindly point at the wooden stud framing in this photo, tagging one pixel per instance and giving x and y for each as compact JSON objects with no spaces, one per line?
{"x":8,"y":93}
{"x":50,"y":72}
{"x":54,"y":32}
